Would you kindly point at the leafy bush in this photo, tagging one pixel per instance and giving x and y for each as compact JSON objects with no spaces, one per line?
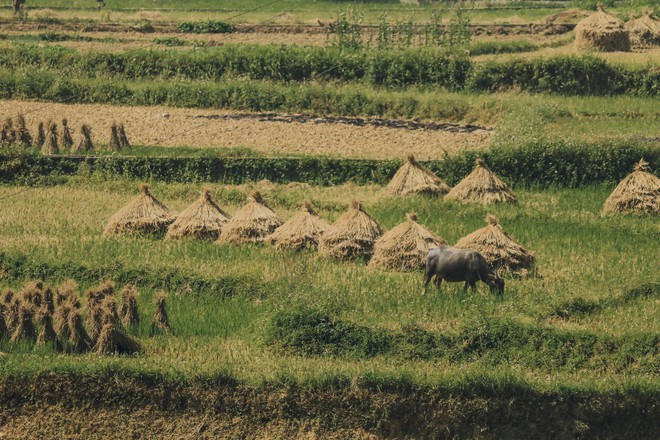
{"x":312,"y":333}
{"x":206,"y":27}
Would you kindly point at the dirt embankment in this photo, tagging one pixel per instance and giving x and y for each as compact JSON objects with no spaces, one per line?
{"x":268,"y":134}
{"x":142,"y":406}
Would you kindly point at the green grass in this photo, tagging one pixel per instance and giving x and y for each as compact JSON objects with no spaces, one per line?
{"x":580,"y":255}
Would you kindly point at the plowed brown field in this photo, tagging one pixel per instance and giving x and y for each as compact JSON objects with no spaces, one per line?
{"x":171,"y":127}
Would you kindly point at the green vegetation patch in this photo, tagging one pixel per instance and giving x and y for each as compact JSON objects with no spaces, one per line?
{"x":541,"y":164}
{"x":491,"y":341}
{"x":205,"y":27}
{"x":567,"y":75}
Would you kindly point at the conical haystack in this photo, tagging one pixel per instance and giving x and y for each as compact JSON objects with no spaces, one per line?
{"x":644,"y":31}
{"x":4,"y":330}
{"x":251,"y":224}
{"x":22,"y":133}
{"x":84,"y":140}
{"x":142,"y":216}
{"x":50,"y":145}
{"x":129,"y":312}
{"x":24,"y":325}
{"x":41,"y":135}
{"x":114,"y":143}
{"x":123,"y":139}
{"x":413,"y":178}
{"x":8,"y":132}
{"x":638,"y":193}
{"x":161,"y":321}
{"x":481,"y":186}
{"x":202,"y":220}
{"x":498,"y":248}
{"x":352,"y":236}
{"x":67,"y":139}
{"x":114,"y":341}
{"x":46,"y":332}
{"x":602,"y":32}
{"x":300,"y":231}
{"x":405,"y":247}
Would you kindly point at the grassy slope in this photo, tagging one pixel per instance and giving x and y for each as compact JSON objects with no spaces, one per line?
{"x":580,"y":254}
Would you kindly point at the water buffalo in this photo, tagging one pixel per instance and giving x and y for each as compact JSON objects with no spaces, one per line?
{"x":453,"y":264}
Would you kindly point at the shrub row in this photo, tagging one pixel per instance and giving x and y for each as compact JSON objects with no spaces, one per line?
{"x":565,"y":75}
{"x":20,"y":267}
{"x":312,"y":333}
{"x":539,"y":164}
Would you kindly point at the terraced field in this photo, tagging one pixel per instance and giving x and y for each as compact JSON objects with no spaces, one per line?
{"x":291,"y":344}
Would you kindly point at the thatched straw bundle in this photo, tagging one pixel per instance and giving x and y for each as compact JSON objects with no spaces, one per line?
{"x":352,"y":236}
{"x":123,"y":139}
{"x":84,"y":140}
{"x":22,"y":133}
{"x":251,"y":224}
{"x":482,"y":186}
{"x":144,"y":215}
{"x":12,"y":306}
{"x":114,"y":144}
{"x":41,"y":135}
{"x":79,"y":340}
{"x":413,"y":178}
{"x":160,"y":321}
{"x":128,"y":311}
{"x":405,"y":247}
{"x":24,"y":326}
{"x":498,"y":248}
{"x":50,"y":145}
{"x":300,"y":231}
{"x":644,"y":31}
{"x":114,"y":341}
{"x":8,"y":134}
{"x":638,"y":193}
{"x":202,"y":220}
{"x":4,"y":331}
{"x":46,"y":332}
{"x":602,"y":32}
{"x":67,"y":139}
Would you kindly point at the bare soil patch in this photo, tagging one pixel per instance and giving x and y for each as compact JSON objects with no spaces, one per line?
{"x":269,"y":134}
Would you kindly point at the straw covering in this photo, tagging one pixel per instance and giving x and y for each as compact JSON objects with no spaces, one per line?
{"x":405,"y":247}
{"x":644,"y":31}
{"x":413,"y":178}
{"x":143,"y":215}
{"x":301,"y":231}
{"x":352,"y":236}
{"x":498,"y":248}
{"x":202,"y":220}
{"x":251,"y":224}
{"x":482,"y":186}
{"x":602,"y":32}
{"x":638,"y":193}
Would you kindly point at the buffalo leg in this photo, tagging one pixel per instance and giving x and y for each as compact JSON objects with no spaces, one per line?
{"x":427,"y":279}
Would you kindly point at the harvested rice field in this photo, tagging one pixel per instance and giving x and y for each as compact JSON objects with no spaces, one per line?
{"x":228,"y":236}
{"x":269,"y":135}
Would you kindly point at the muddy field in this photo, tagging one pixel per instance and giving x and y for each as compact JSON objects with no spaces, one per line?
{"x":267,"y":134}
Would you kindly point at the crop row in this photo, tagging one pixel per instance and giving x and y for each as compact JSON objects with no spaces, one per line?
{"x":565,"y":75}
{"x":541,"y":164}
